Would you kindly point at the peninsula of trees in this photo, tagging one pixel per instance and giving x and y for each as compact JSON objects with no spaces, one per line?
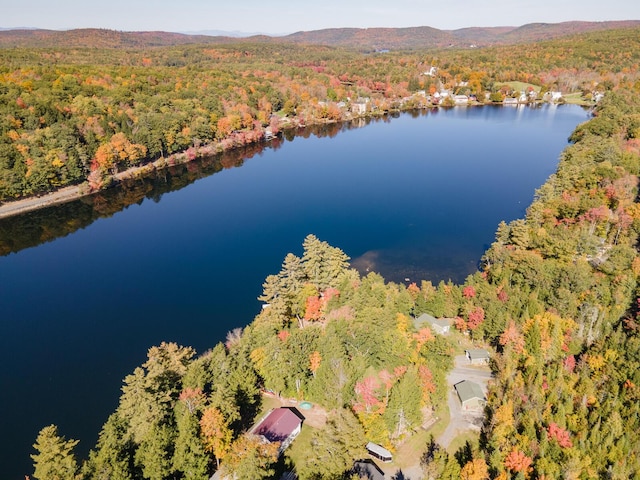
{"x":556,"y":298}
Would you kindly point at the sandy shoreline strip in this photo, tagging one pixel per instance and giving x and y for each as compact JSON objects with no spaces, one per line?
{"x":64,"y":195}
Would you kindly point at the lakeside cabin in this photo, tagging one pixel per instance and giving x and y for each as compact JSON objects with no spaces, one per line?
{"x":379,"y":452}
{"x":441,"y":326}
{"x":280,"y":425}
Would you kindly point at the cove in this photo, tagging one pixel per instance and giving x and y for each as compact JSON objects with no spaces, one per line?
{"x":87,"y":288}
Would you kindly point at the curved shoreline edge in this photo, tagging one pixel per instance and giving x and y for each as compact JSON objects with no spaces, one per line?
{"x":75,"y":192}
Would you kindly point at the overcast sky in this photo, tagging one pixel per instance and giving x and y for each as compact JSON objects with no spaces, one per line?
{"x":282,"y":16}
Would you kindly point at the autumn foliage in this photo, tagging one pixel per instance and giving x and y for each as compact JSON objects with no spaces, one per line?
{"x":517,"y":461}
{"x":560,"y":435}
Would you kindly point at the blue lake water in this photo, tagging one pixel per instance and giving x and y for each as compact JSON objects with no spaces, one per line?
{"x":416,"y":196}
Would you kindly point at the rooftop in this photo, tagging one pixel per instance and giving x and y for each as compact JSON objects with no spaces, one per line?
{"x":468,"y":390}
{"x":278,"y":425}
{"x":477,"y":353}
{"x":379,"y":450}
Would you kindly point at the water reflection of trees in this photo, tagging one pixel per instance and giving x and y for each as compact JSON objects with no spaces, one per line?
{"x":34,"y":228}
{"x":41,"y":226}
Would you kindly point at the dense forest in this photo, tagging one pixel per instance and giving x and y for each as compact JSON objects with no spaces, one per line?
{"x":556,"y":298}
{"x":86,"y":115}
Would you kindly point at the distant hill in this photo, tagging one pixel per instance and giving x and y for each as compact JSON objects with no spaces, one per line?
{"x":534,"y":32}
{"x":99,"y":38}
{"x":375,"y":38}
{"x":233,"y":34}
{"x":428,"y":37}
{"x":360,"y":38}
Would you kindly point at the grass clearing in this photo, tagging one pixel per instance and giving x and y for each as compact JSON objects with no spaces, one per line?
{"x":519,"y":86}
{"x":298,"y":451}
{"x":460,"y":441}
{"x":408,"y":454}
{"x":269,"y":403}
{"x":440,"y":426}
{"x":576,"y":99}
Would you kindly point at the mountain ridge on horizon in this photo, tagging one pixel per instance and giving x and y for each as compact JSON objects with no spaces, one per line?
{"x":374,"y":38}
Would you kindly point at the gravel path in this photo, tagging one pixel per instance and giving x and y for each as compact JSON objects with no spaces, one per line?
{"x":460,"y":421}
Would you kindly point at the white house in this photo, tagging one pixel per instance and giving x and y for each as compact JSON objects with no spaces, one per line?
{"x":431,"y":72}
{"x":555,"y":95}
{"x":441,"y":326}
{"x":379,"y":452}
{"x":461,"y":99}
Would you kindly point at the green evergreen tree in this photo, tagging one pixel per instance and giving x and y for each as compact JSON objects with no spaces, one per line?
{"x":189,"y":457}
{"x":403,"y":412}
{"x":149,"y":393}
{"x":113,"y":457}
{"x":323,"y":264}
{"x":55,"y":459}
{"x":155,"y":452}
{"x":292,"y":277}
{"x":271,"y":289}
{"x":334,"y":448}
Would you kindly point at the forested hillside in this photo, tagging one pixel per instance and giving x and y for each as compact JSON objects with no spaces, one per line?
{"x":366,"y":39}
{"x":556,"y":297}
{"x":428,"y":37}
{"x":558,"y":291}
{"x":83,"y":115}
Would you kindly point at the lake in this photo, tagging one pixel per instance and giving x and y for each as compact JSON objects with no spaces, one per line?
{"x":91,"y":285}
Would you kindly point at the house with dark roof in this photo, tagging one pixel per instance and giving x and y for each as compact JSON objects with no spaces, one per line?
{"x":471,"y":395}
{"x":368,"y":469}
{"x":280,"y":425}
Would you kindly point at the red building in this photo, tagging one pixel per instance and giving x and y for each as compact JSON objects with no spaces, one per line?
{"x":280,"y":425}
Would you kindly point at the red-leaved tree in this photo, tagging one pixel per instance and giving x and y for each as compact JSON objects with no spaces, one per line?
{"x":517,"y":461}
{"x":560,"y":435}
{"x":367,"y":395}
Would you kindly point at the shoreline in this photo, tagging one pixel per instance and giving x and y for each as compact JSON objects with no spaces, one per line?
{"x":71,"y":193}
{"x":75,"y":192}
{"x":30,"y":204}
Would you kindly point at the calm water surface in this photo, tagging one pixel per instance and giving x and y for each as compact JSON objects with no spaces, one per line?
{"x":417,"y":196}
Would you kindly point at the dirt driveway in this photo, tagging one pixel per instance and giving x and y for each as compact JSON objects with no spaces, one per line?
{"x":460,"y":421}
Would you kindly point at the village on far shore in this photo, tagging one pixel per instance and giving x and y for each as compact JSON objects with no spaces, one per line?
{"x":508,"y":94}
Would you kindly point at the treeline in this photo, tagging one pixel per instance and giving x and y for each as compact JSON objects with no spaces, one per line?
{"x":559,"y":295}
{"x":74,"y":115}
{"x":326,"y":334}
{"x":26,"y":230}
